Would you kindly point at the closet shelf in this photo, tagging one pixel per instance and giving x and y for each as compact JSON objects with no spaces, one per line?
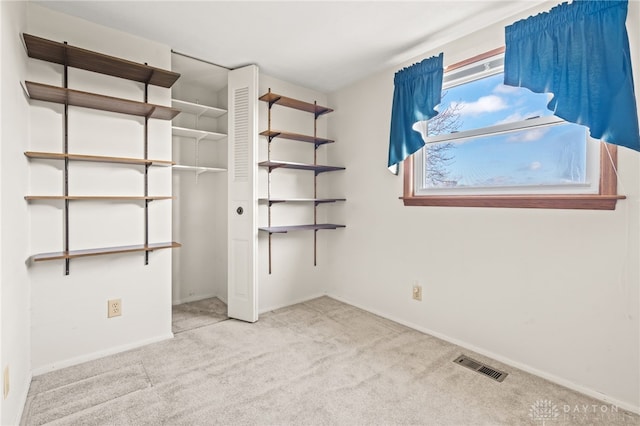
{"x":198,"y":109}
{"x":96,"y":197}
{"x":272,"y":134}
{"x":312,"y":227}
{"x":102,"y":251}
{"x":273,"y":98}
{"x":300,"y":200}
{"x":197,"y":134}
{"x":60,"y":53}
{"x":198,"y":169}
{"x":97,"y":158}
{"x":299,"y":166}
{"x":61,"y":95}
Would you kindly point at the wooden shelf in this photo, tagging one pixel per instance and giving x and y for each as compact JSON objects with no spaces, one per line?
{"x":198,"y":169}
{"x":76,"y":57}
{"x":273,"y":98}
{"x":285,"y":229}
{"x":197,"y":134}
{"x":272,"y":134}
{"x":317,"y":110}
{"x":299,"y":166}
{"x":198,"y":109}
{"x":96,"y":197}
{"x":300,"y":200}
{"x":97,"y":158}
{"x":71,"y":56}
{"x":60,"y":95}
{"x":102,"y":251}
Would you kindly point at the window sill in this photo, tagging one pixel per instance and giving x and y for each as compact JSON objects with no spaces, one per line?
{"x":584,"y":202}
{"x":605,"y":200}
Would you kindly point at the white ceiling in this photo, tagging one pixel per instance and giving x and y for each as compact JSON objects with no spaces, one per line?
{"x":323,"y":45}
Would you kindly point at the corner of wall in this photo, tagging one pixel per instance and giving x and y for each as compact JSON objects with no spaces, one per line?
{"x":586,"y":262}
{"x":294,"y":277}
{"x":15,"y":354}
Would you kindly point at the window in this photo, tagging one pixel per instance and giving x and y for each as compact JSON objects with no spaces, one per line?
{"x":499,"y":146}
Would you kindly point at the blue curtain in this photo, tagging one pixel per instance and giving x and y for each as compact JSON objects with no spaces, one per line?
{"x":580,"y":53}
{"x":417,"y":92}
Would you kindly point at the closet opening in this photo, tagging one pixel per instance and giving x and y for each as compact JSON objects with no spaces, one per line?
{"x":199,"y":183}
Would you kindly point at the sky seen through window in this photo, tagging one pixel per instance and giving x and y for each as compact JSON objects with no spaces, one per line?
{"x":539,"y":156}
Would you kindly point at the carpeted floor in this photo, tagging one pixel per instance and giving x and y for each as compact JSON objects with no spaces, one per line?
{"x":316,"y":363}
{"x":188,"y":316}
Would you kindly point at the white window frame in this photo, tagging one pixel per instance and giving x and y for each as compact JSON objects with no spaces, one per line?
{"x":606,"y":198}
{"x":476,"y":70}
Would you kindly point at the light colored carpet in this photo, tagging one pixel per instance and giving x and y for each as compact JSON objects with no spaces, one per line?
{"x":188,"y":316}
{"x":316,"y":363}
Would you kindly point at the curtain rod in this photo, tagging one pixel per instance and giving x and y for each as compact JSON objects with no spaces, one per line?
{"x":201,"y":60}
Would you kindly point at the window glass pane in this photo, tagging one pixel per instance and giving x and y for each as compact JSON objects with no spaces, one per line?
{"x":486,"y":102}
{"x":541,"y":156}
{"x":490,"y":140}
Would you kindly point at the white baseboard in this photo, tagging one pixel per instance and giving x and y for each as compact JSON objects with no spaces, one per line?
{"x":293,"y":302}
{"x":193,"y":298}
{"x":22,"y":400}
{"x":524,"y":367}
{"x":99,"y":354}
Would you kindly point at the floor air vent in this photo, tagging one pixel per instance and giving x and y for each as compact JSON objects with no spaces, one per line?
{"x":479,"y":367}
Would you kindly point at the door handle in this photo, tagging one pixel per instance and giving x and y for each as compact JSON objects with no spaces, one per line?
{"x":240,"y":210}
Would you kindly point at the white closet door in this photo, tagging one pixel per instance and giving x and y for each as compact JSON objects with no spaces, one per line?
{"x":242,"y":177}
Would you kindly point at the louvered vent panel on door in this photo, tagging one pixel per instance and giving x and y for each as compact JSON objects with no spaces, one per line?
{"x":241,"y":135}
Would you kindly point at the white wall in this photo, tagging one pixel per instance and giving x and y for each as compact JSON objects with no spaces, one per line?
{"x":14,"y":237}
{"x":293,"y":277}
{"x":554,"y":292}
{"x":69,"y":319}
{"x":565,"y":282}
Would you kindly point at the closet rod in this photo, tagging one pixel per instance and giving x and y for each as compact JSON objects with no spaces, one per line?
{"x":201,"y":60}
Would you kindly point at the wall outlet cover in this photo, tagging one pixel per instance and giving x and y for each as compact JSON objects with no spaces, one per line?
{"x":5,"y":376}
{"x":114,"y":308}
{"x":417,"y":292}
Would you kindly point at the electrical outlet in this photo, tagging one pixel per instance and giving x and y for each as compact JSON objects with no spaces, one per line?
{"x":417,"y":292}
{"x":5,"y":375}
{"x":114,"y":308}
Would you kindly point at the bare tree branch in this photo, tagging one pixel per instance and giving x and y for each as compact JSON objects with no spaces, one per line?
{"x":438,"y":155}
